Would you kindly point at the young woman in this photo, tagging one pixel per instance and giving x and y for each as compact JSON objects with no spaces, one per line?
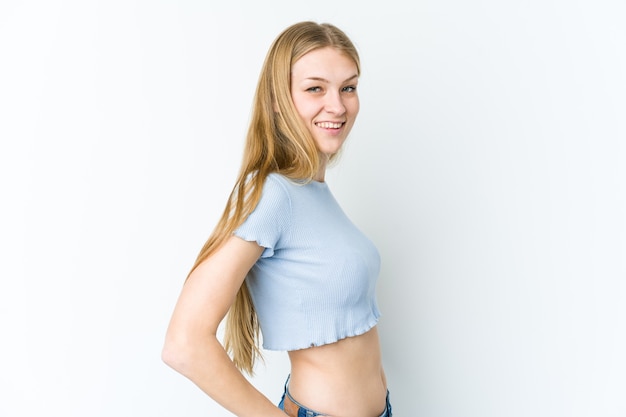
{"x":284,"y":257}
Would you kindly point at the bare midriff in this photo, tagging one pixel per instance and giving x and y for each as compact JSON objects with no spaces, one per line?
{"x":342,"y":379}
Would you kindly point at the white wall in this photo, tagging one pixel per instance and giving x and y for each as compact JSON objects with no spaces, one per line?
{"x":487,"y":164}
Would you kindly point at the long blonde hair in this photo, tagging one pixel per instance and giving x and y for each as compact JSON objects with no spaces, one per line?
{"x":277,"y":141}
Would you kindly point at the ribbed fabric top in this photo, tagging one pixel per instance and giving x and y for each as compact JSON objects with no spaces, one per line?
{"x":315,"y":281}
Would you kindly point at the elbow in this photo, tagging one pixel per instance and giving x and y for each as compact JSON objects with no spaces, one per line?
{"x":176,"y":355}
{"x":186,"y":354}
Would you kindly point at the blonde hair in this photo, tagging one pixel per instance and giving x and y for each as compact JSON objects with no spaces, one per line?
{"x":277,"y":141}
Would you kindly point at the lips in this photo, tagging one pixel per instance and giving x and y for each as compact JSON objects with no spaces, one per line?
{"x":329,"y":125}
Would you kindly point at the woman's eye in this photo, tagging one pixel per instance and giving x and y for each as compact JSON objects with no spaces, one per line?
{"x":349,"y":89}
{"x":314,"y":89}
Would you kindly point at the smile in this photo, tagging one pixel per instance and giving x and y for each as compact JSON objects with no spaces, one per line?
{"x":329,"y":125}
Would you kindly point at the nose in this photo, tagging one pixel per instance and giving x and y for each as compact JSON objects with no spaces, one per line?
{"x":334,"y":103}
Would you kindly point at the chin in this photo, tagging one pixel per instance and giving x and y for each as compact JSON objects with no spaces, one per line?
{"x":329,"y":153}
{"x":330,"y":149}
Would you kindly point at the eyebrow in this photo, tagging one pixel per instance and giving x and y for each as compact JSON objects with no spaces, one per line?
{"x":326,"y":81}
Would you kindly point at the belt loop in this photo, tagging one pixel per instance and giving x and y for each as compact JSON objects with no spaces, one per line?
{"x":287,"y":382}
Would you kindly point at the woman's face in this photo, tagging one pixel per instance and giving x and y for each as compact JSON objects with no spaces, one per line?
{"x":323,"y":89}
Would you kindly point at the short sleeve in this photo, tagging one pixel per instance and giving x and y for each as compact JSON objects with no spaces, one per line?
{"x":267,"y":224}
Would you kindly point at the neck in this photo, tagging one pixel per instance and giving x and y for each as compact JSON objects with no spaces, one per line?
{"x":321,"y":172}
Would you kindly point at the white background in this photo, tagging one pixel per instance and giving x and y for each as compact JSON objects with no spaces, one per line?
{"x":488,"y":165}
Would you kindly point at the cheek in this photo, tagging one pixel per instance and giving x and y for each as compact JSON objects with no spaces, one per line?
{"x":355,"y":107}
{"x":305,"y":107}
{"x":299,"y":104}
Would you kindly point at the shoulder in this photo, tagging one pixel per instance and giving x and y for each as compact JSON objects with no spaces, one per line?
{"x":275,"y":179}
{"x":275,"y":197}
{"x":276,"y":188}
{"x":271,"y":216}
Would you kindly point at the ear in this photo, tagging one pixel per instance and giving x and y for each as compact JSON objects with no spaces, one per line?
{"x":275,"y":105}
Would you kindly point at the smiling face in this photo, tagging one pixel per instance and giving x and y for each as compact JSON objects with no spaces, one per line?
{"x":323,"y":89}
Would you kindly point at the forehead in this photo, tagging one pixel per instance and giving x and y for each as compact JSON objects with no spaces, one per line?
{"x":322,"y":61}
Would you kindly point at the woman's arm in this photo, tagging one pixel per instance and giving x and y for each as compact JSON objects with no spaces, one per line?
{"x":191,"y":345}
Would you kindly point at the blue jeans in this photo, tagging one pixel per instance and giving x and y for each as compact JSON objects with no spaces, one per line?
{"x":294,"y":409}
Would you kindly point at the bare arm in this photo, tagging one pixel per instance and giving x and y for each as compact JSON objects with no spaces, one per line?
{"x":191,"y":345}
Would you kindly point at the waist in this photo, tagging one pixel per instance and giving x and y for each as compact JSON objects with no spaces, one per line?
{"x":350,"y":371}
{"x":293,"y":408}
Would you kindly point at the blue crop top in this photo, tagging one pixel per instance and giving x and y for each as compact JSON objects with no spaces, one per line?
{"x":315,"y":281}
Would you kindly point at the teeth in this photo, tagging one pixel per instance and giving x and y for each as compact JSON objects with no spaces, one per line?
{"x":329,"y":125}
